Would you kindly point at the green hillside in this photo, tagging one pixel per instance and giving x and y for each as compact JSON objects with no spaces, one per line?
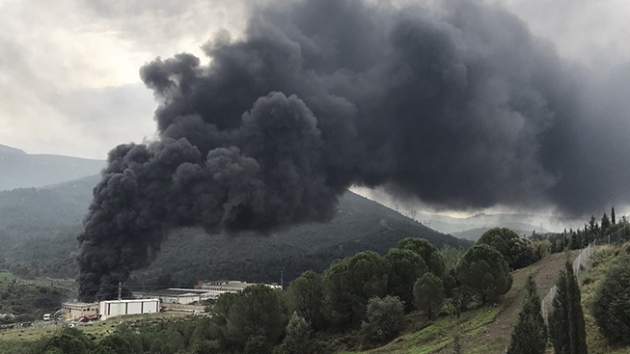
{"x":39,"y":226}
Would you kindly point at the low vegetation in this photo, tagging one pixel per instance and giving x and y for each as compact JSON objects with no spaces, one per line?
{"x":25,"y":300}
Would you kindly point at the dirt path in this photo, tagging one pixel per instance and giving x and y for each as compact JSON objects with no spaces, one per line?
{"x":495,"y":337}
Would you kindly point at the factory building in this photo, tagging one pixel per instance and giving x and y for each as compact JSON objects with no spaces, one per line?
{"x":229,"y":286}
{"x":111,"y":308}
{"x":176,"y":295}
{"x":75,"y":310}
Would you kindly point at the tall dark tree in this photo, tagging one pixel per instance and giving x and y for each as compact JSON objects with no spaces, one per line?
{"x":349,"y":283}
{"x":559,"y":318}
{"x":612,"y":216}
{"x":405,"y":268}
{"x":566,"y":321}
{"x":530,"y":333}
{"x":592,"y":224}
{"x":605,"y":223}
{"x":305,"y":296}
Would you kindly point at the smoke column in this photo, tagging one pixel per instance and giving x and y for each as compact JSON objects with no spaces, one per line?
{"x":459,"y":106}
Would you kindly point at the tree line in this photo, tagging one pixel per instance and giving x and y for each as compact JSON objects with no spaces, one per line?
{"x":607,"y":229}
{"x":367,"y":293}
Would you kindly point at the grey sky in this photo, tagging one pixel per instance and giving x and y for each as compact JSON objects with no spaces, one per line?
{"x":69,"y":79}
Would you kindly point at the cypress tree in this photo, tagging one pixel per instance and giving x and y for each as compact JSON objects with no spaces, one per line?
{"x":530,"y":333}
{"x":576,"y":315}
{"x":566,"y":321}
{"x":605,"y":223}
{"x":558,"y":318}
{"x":612,"y":215}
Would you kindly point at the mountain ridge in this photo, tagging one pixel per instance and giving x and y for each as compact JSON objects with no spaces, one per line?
{"x":23,"y":170}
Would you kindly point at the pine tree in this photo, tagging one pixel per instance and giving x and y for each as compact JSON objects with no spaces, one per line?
{"x":605,"y":223}
{"x":558,"y":318}
{"x":530,"y":333}
{"x":566,"y":321}
{"x":612,"y":216}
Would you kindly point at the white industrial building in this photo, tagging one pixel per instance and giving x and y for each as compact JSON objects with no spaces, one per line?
{"x":229,"y":286}
{"x":175,"y":295}
{"x":113,"y":308}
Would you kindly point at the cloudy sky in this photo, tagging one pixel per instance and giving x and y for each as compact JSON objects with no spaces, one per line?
{"x":69,"y":80}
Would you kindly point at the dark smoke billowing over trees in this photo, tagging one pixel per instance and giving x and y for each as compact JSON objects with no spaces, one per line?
{"x":459,"y":106}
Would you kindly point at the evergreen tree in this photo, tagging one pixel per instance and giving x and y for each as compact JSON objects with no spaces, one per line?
{"x":611,"y":307}
{"x":592,"y":224}
{"x":306,"y":297}
{"x":576,"y":315}
{"x":605,"y":223}
{"x":484,"y":270}
{"x":566,"y":321}
{"x":405,"y":268}
{"x":558,"y":318}
{"x":530,"y":333}
{"x":429,"y":253}
{"x":385,"y":318}
{"x":612,"y":215}
{"x":298,"y":334}
{"x":428,"y":292}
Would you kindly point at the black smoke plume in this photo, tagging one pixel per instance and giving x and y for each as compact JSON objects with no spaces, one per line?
{"x":459,"y":106}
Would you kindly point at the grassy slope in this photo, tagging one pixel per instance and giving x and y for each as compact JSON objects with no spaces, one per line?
{"x":485,"y":330}
{"x":488,"y":330}
{"x":31,"y":298}
{"x":18,"y":341}
{"x":482,"y":331}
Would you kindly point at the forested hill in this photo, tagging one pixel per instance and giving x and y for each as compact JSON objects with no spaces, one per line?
{"x":22,"y":170}
{"x":39,"y":225}
{"x":360,"y":224}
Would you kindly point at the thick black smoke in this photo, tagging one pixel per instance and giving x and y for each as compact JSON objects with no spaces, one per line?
{"x":459,"y":106}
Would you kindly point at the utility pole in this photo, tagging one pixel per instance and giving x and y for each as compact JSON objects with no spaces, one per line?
{"x":119,"y":291}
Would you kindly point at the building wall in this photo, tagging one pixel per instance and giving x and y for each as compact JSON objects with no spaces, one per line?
{"x":128,"y":307}
{"x":71,"y":312}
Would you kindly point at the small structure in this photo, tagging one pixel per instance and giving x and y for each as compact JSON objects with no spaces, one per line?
{"x":75,"y":310}
{"x":113,"y":308}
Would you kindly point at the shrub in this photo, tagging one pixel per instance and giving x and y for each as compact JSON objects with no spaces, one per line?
{"x":611,"y":306}
{"x":298,"y":334}
{"x":518,"y":252}
{"x":385,"y":318}
{"x":257,"y":345}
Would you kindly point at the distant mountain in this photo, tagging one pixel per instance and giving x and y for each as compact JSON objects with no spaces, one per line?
{"x":522,"y":223}
{"x":40,"y":225}
{"x":475,"y":234}
{"x":21,"y":170}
